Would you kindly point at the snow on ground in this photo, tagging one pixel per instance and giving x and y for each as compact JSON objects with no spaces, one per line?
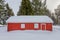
{"x":56,"y":27}
{"x":30,"y":34}
{"x":1,"y":25}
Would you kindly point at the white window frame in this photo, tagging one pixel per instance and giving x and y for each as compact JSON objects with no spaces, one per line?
{"x":36,"y":25}
{"x":22,"y":25}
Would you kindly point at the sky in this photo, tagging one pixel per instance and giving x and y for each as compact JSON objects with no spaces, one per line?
{"x":14,"y":4}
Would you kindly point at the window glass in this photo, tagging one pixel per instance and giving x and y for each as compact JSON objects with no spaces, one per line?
{"x":35,"y":25}
{"x":22,"y":25}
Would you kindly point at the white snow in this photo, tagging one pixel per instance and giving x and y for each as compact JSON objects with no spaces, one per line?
{"x":30,"y":34}
{"x":1,"y":25}
{"x":56,"y":27}
{"x":26,"y":19}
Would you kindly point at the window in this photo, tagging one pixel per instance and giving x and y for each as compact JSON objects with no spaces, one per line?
{"x":35,"y":25}
{"x":22,"y":25}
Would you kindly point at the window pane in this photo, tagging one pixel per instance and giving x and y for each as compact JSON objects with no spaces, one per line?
{"x":22,"y":25}
{"x":35,"y":25}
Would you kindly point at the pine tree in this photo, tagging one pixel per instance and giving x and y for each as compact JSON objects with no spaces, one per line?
{"x":57,"y":12}
{"x":9,"y":11}
{"x":40,"y":8}
{"x":54,"y":18}
{"x":5,"y":12}
{"x":25,"y":8}
{"x":36,"y":4}
{"x":44,"y":9}
{"x":2,"y":12}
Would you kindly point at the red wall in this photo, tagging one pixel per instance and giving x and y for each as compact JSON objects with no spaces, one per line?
{"x":28,"y":26}
{"x":49,"y":26}
{"x":13,"y":26}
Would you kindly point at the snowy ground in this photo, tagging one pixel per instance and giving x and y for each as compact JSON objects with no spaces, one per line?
{"x":30,"y":35}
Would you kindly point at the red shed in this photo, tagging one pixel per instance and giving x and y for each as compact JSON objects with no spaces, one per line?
{"x":29,"y":23}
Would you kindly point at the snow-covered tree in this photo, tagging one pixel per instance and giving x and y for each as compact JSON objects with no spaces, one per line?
{"x":2,"y":12}
{"x":25,"y":8}
{"x":36,"y":5}
{"x":9,"y":11}
{"x":5,"y":12}
{"x":40,"y":8}
{"x":57,"y":12}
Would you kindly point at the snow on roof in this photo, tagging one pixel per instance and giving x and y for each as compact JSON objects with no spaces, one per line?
{"x":26,"y":19}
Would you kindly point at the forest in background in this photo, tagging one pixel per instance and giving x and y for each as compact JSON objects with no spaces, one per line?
{"x":27,"y":7}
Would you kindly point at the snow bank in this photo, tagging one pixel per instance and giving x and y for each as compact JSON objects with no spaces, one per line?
{"x":3,"y":28}
{"x":56,"y":27}
{"x":29,"y":35}
{"x":1,"y":25}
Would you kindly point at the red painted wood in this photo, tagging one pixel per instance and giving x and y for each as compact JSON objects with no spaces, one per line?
{"x":39,"y":26}
{"x":49,"y":26}
{"x":43,"y":27}
{"x":13,"y":26}
{"x":29,"y":26}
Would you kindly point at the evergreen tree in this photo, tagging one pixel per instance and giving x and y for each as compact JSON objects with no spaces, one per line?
{"x":40,"y":8}
{"x":25,"y":8}
{"x":57,"y":12}
{"x":36,"y":4}
{"x":9,"y":11}
{"x":2,"y":12}
{"x":5,"y":12}
{"x":54,"y":18}
{"x":45,"y":10}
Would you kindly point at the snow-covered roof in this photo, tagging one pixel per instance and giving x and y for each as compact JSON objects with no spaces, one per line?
{"x":29,"y":19}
